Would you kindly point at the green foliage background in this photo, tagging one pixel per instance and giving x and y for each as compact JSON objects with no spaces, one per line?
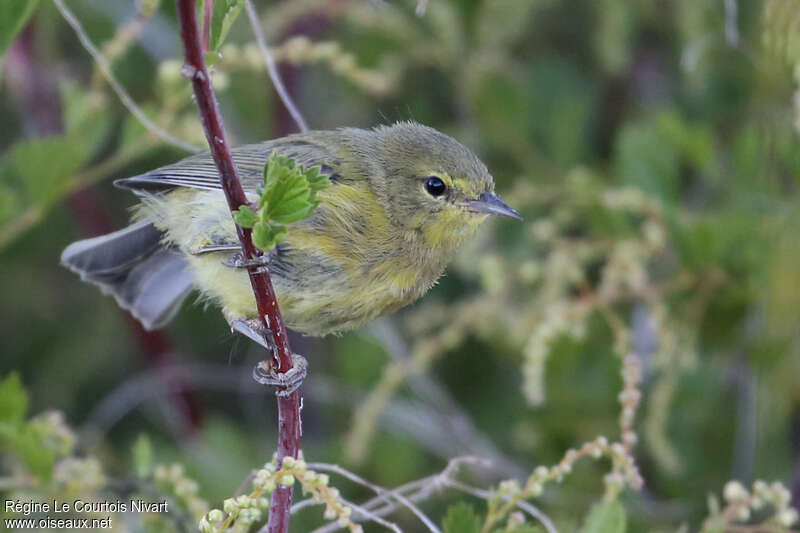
{"x":691,"y":108}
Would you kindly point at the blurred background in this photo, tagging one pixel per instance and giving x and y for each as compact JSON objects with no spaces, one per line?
{"x":651,"y":146}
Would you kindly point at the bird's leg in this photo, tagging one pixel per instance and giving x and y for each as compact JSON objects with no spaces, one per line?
{"x":285,"y":382}
{"x":265,"y":372}
{"x":262,"y":261}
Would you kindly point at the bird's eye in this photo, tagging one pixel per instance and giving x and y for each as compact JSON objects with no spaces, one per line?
{"x":435,"y":186}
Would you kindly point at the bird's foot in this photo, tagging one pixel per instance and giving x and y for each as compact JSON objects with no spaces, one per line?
{"x":284,"y":382}
{"x":259,"y":263}
{"x":253,"y":329}
{"x":265,"y":371}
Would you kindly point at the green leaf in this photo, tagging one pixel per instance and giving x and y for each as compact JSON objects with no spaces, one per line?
{"x":142,"y":456}
{"x":13,"y":16}
{"x":288,"y":195}
{"x":316,"y":180}
{"x":13,"y":400}
{"x":287,"y":198}
{"x":222,"y":18}
{"x":245,"y":217}
{"x":606,"y":517}
{"x":28,"y":443}
{"x":525,"y":529}
{"x":45,"y":166}
{"x":276,"y":167}
{"x":51,"y":432}
{"x":266,"y":236}
{"x":461,"y":518}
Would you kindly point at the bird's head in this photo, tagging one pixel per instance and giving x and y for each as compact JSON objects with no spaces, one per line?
{"x":432,"y":184}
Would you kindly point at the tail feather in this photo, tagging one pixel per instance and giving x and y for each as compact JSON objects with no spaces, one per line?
{"x":145,"y":278}
{"x":108,"y":256}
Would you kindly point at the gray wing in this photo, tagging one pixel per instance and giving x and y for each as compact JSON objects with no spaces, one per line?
{"x":199,"y":171}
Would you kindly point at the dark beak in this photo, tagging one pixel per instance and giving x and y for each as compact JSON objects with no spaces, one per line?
{"x":489,"y":203}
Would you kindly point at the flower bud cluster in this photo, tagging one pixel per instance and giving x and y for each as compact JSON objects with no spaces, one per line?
{"x":624,"y":473}
{"x":54,"y":432}
{"x":317,"y":485}
{"x":299,"y":50}
{"x":562,"y":318}
{"x":741,"y":503}
{"x":653,"y":232}
{"x":79,"y":476}
{"x":629,"y":398}
{"x":625,"y":271}
{"x":629,"y":199}
{"x":174,"y":480}
{"x":247,"y":509}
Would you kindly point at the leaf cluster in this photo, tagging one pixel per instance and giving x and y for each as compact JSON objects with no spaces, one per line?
{"x":223,"y":14}
{"x":288,"y":194}
{"x":25,"y":439}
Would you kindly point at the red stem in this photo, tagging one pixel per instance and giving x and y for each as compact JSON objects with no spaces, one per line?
{"x":288,"y":408}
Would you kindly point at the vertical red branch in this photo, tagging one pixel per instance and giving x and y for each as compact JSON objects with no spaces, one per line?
{"x":289,"y":407}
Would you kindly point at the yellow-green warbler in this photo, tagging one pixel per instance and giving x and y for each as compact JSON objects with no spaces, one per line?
{"x":402,"y":199}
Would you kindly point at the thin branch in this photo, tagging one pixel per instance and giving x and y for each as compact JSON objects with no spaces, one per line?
{"x":424,"y":487}
{"x":375,"y":518}
{"x":123,"y":95}
{"x":402,"y":500}
{"x":357,"y":508}
{"x":289,"y":425}
{"x":272,"y":69}
{"x":310,"y":502}
{"x":532,"y":510}
{"x":366,"y":513}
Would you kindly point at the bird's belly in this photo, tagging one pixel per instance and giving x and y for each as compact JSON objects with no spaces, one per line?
{"x":316,"y":296}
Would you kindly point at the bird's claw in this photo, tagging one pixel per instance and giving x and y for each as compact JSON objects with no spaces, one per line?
{"x":253,"y":329}
{"x":284,"y":382}
{"x":265,"y":372}
{"x":259,"y":263}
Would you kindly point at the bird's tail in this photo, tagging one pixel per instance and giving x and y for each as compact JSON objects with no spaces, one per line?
{"x":147,"y":279}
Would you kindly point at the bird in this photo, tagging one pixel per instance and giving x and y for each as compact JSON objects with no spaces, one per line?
{"x":402,"y":199}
